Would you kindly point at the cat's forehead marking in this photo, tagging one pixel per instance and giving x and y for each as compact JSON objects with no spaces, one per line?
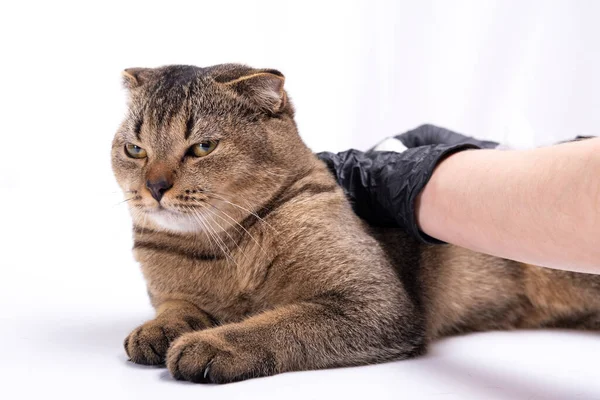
{"x":189,"y":126}
{"x":137,"y":128}
{"x":183,"y":103}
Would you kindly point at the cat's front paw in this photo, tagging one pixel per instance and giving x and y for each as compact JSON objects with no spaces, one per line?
{"x":148,"y":343}
{"x":207,"y":357}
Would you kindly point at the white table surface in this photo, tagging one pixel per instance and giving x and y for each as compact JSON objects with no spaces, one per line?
{"x":70,"y":292}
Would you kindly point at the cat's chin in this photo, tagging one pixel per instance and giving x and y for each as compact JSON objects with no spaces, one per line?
{"x":174,"y":221}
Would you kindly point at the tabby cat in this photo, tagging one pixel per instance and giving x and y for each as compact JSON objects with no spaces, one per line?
{"x":256,"y":263}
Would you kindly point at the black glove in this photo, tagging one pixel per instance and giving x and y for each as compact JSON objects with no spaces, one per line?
{"x":426,"y":135}
{"x":383,"y":186}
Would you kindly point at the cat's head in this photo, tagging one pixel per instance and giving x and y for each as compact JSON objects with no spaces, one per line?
{"x":198,"y":141}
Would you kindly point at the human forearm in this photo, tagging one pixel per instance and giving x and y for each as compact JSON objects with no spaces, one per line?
{"x":537,"y":206}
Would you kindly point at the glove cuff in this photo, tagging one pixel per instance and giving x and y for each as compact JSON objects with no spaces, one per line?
{"x":432,"y":156}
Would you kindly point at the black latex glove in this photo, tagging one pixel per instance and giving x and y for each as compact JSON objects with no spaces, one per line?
{"x":383,"y":186}
{"x":426,"y":135}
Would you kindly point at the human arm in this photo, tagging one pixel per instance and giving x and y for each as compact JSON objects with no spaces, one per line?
{"x":539,"y":206}
{"x":383,"y":186}
{"x":536,"y":206}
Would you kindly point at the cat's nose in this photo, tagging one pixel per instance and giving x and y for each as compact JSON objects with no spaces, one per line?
{"x":158,"y":187}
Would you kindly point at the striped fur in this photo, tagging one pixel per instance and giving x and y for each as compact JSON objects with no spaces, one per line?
{"x":256,"y":263}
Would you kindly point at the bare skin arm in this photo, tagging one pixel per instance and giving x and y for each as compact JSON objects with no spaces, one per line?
{"x":538,"y":206}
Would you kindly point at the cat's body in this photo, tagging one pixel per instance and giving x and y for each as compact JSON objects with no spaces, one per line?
{"x":257,"y":264}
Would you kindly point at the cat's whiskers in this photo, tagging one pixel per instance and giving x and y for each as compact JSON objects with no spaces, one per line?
{"x":215,"y":236}
{"x":216,"y":212}
{"x":241,"y":226}
{"x":222,"y":242}
{"x":227,"y":233}
{"x":213,"y":214}
{"x":224,"y":220}
{"x":123,"y":201}
{"x":134,"y":192}
{"x":118,"y":191}
{"x":234,"y":225}
{"x":220,"y":197}
{"x":135,"y":213}
{"x":190,"y":215}
{"x":196,"y":235}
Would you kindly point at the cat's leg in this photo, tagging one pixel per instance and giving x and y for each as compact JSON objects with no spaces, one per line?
{"x":307,"y":335}
{"x":583,"y":320}
{"x":148,"y":343}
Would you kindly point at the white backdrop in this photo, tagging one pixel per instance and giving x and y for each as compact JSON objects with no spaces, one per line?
{"x":519,"y":71}
{"x":522,"y":72}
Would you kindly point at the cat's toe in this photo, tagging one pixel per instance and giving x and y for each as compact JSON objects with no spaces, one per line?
{"x":148,"y":344}
{"x":197,"y":358}
{"x":206,"y":357}
{"x":146,"y":347}
{"x":190,"y":358}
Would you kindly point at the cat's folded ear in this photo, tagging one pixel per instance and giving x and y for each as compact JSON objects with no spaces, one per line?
{"x":135,"y":77}
{"x":263,"y":87}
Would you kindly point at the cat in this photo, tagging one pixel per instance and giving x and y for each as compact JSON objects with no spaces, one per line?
{"x":256,"y":263}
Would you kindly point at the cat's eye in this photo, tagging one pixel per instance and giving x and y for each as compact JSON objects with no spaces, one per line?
{"x":135,"y":151}
{"x":203,"y":148}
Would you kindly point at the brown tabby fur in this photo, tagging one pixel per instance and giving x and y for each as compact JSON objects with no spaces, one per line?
{"x":256,"y":263}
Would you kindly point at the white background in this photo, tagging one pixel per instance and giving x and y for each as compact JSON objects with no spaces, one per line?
{"x":521,"y":72}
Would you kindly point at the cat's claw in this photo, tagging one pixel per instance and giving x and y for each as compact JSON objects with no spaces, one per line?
{"x":205,"y":376}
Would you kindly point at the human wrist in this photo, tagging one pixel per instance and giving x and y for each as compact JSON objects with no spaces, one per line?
{"x":434,"y":205}
{"x":436,"y":156}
